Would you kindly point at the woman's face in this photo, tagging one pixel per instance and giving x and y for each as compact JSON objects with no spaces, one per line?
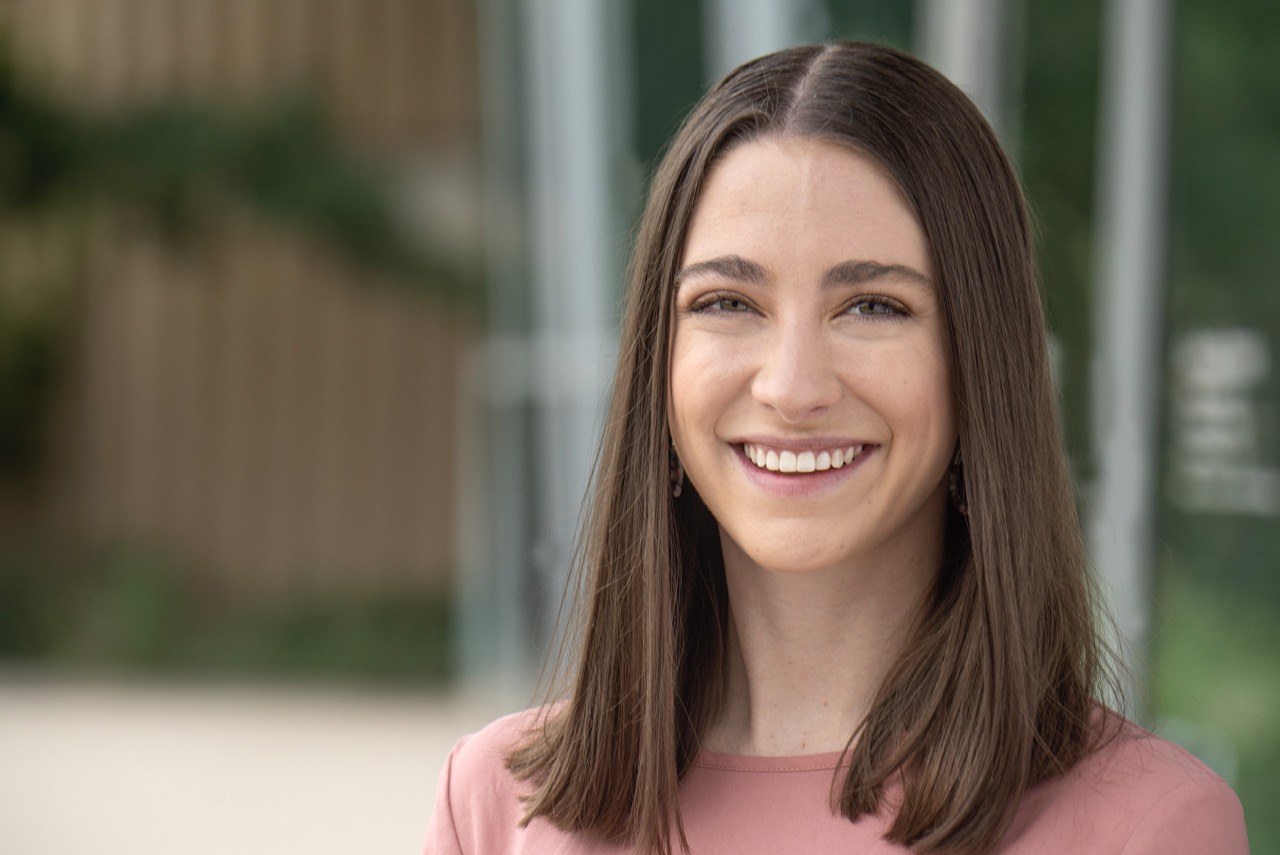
{"x":810,"y":397}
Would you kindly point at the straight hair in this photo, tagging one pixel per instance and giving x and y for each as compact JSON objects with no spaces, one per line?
{"x":993,"y":691}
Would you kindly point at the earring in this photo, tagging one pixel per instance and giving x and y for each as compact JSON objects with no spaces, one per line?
{"x":955,"y":485}
{"x":675,"y":473}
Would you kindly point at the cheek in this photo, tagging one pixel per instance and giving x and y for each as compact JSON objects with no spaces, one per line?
{"x":912,"y":392}
{"x":683,"y":394}
{"x":933,"y":408}
{"x":937,"y":386}
{"x":703,"y":383}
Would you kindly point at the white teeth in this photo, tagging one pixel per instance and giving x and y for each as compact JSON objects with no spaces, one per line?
{"x":803,"y":461}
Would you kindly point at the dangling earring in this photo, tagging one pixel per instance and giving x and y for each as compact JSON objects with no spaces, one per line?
{"x":675,"y":473}
{"x":955,"y":485}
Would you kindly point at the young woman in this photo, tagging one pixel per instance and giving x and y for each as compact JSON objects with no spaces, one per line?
{"x":834,"y":591}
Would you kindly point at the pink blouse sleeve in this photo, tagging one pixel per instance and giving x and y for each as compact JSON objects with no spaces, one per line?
{"x":1201,"y":817}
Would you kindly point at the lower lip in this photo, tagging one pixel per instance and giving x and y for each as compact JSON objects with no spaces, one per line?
{"x":799,"y":484}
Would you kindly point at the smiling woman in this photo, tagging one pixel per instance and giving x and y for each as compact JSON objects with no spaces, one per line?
{"x":823,"y":336}
{"x":834,"y":591}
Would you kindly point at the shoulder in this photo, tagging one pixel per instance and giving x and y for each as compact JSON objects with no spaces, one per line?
{"x":1134,"y":794}
{"x":480,"y":759}
{"x":479,"y":803}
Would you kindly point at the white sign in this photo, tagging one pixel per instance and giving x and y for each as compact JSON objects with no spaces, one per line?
{"x":1216,"y":458}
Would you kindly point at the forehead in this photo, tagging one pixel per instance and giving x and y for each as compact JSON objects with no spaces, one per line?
{"x":804,"y":196}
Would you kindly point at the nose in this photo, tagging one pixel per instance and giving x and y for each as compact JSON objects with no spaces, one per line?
{"x":796,"y":375}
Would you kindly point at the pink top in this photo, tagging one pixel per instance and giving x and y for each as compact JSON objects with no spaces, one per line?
{"x":1138,"y":795}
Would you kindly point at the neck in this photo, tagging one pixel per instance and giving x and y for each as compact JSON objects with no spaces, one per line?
{"x":807,"y":652}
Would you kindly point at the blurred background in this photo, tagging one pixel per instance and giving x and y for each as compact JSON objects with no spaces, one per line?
{"x":307,"y":314}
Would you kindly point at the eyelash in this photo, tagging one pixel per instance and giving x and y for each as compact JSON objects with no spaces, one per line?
{"x":895,"y":310}
{"x":884,"y":308}
{"x":712,"y":302}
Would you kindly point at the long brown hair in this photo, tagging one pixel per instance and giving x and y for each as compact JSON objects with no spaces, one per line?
{"x":993,"y":691}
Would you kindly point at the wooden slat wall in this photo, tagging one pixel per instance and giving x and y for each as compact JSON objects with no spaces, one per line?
{"x":399,"y":73}
{"x":260,"y":408}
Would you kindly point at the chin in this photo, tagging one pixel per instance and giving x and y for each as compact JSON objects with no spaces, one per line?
{"x":782,"y":557}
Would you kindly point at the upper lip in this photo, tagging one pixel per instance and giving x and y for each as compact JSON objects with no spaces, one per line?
{"x":810,"y":443}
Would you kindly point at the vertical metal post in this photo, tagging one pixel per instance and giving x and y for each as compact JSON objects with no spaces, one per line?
{"x":1129,"y":307}
{"x":553,"y":122}
{"x":739,"y":30}
{"x":492,"y":628}
{"x":571,"y":109}
{"x":965,"y":40}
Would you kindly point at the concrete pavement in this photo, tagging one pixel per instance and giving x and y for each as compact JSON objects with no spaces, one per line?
{"x":116,"y":768}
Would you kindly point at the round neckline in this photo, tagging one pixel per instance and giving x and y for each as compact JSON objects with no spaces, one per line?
{"x":826,"y":761}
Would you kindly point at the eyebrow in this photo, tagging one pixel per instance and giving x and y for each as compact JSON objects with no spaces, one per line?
{"x":845,"y":273}
{"x":727,"y":266}
{"x":858,"y":272}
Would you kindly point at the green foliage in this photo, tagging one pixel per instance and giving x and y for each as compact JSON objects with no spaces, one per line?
{"x":1235,"y":554}
{"x":31,"y":351}
{"x":381,"y":638}
{"x":670,"y":77}
{"x":177,"y":162}
{"x":872,"y":20}
{"x":28,"y":596}
{"x":140,"y":613}
{"x":1219,"y":688}
{"x":177,"y":166}
{"x":1056,"y":121}
{"x":1225,"y":166}
{"x":1215,"y":663}
{"x":38,"y":145}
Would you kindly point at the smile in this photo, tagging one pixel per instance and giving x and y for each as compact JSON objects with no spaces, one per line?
{"x":784,"y":460}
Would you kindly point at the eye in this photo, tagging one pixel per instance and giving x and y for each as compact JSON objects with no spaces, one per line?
{"x":720,"y":302}
{"x":876,"y":308}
